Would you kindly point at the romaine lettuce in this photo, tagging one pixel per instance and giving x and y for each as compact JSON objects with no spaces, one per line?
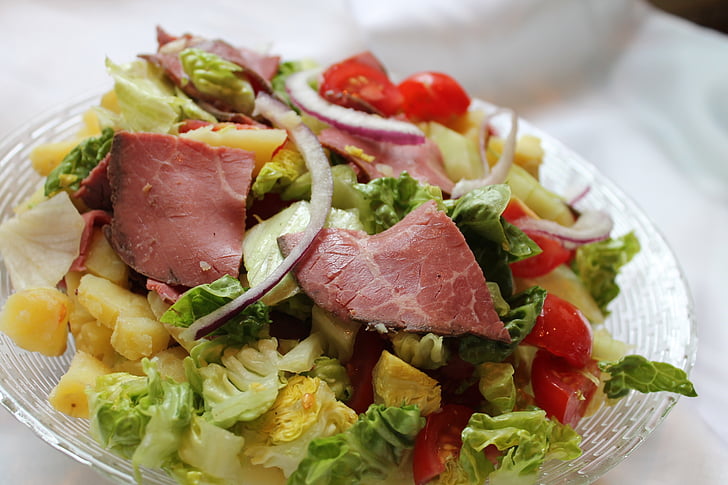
{"x":526,"y":440}
{"x":598,"y":264}
{"x":370,"y":449}
{"x":250,"y":324}
{"x":494,"y":242}
{"x":638,"y":373}
{"x":148,"y":100}
{"x":519,"y":321}
{"x":306,"y":409}
{"x":78,"y":163}
{"x":216,"y":77}
{"x":141,"y":418}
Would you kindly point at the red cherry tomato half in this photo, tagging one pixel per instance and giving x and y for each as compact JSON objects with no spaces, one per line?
{"x":433,"y":96}
{"x":552,"y":254}
{"x":367,"y":350}
{"x":562,"y":330}
{"x":361,"y":83}
{"x":560,"y":389}
{"x":439,"y":441}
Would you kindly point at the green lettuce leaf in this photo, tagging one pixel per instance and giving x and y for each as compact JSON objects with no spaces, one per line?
{"x":248,"y":325}
{"x":333,"y":373}
{"x":519,"y":321}
{"x":148,"y":101}
{"x":497,"y":387}
{"x":78,"y":163}
{"x":285,"y":69}
{"x":368,"y":450}
{"x":141,"y":418}
{"x":280,"y":172}
{"x":494,"y":242}
{"x":638,"y":373}
{"x":526,"y":439}
{"x":381,"y":203}
{"x":216,"y":77}
{"x":598,"y":264}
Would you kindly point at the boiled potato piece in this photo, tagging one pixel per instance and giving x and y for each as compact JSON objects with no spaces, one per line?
{"x":95,"y":339}
{"x":262,"y":142}
{"x":136,"y":337}
{"x":106,"y":300}
{"x":170,"y":363}
{"x":69,"y":395}
{"x":37,"y":320}
{"x":103,"y":261}
{"x":44,"y":158}
{"x":78,"y":316}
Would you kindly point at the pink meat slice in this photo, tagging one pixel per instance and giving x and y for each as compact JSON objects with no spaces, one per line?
{"x":422,"y":162}
{"x":419,"y":275}
{"x":178,"y":206}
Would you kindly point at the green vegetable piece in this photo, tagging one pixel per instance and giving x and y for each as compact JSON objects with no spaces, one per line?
{"x":519,"y":321}
{"x":494,"y":242}
{"x":369,"y":450}
{"x":141,"y":418}
{"x":381,"y":202}
{"x":277,"y":174}
{"x":148,"y":101}
{"x":78,"y":163}
{"x":497,"y":387}
{"x":638,"y":373}
{"x":217,"y":77}
{"x":334,"y":374}
{"x":285,"y":69}
{"x":598,"y":264}
{"x":527,"y":438}
{"x":249,"y":325}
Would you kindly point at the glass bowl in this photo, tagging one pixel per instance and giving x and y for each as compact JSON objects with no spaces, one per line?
{"x":653,"y":314}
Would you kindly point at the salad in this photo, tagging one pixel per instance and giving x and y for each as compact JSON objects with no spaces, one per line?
{"x":273,"y":271}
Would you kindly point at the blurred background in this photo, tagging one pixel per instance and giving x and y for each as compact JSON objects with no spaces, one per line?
{"x":708,"y":13}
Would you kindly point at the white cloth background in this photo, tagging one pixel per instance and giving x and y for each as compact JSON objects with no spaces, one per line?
{"x":641,"y":94}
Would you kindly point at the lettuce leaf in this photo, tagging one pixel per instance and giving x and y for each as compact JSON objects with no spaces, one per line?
{"x":598,"y":264}
{"x":148,"y":101}
{"x":141,"y":418}
{"x":519,"y":321}
{"x":638,"y":373}
{"x":78,"y":163}
{"x":494,"y":242}
{"x":381,"y":202}
{"x":525,"y":438}
{"x":247,"y":326}
{"x":373,"y":446}
{"x":216,"y":77}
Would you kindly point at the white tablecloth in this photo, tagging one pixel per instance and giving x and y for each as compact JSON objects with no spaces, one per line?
{"x":641,"y":94}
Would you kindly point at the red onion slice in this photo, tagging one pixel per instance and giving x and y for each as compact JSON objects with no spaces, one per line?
{"x":499,"y":172}
{"x":591,"y":226}
{"x":346,"y":119}
{"x":321,"y":191}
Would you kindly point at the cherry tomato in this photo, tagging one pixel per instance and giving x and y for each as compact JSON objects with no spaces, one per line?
{"x":563,"y":330}
{"x":361,"y":83}
{"x":433,"y":96}
{"x":367,"y":350}
{"x":439,"y":441}
{"x":552,"y":254}
{"x":560,"y":389}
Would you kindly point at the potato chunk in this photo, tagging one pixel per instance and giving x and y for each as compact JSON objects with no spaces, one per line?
{"x":137,"y":337}
{"x":37,"y":320}
{"x":69,"y":395}
{"x":106,"y":300}
{"x":103,"y":261}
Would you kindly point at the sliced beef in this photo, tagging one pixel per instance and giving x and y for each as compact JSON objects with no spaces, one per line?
{"x":380,"y":159}
{"x":92,"y":219}
{"x":95,"y":190}
{"x":179,"y":206}
{"x":419,"y":276}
